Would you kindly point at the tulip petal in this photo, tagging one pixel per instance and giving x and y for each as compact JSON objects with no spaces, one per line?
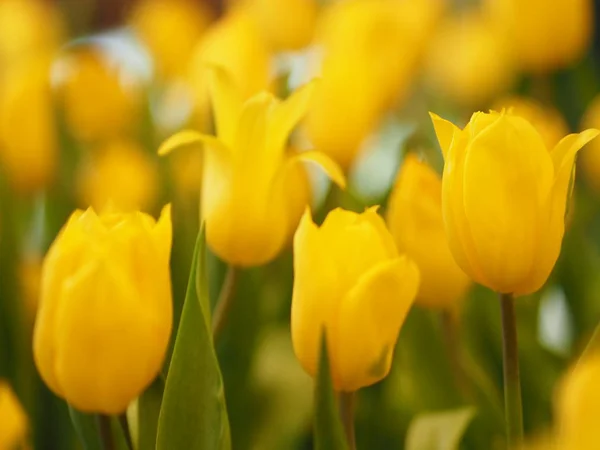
{"x":329,"y":166}
{"x":564,"y":152}
{"x":369,"y":320}
{"x":508,"y":176}
{"x":445,"y":131}
{"x":226,"y":102}
{"x":186,"y":138}
{"x":162,"y":233}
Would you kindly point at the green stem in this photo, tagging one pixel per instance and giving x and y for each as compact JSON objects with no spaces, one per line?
{"x":513,"y":409}
{"x":225,"y":301}
{"x":105,"y":432}
{"x":347,"y":402}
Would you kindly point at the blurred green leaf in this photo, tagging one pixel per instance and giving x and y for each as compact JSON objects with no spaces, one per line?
{"x":329,"y":434}
{"x":144,"y":420}
{"x":439,"y":430}
{"x":86,"y":426}
{"x":193,"y":414}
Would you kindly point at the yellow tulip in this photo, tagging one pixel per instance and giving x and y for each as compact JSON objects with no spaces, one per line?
{"x":504,"y":196}
{"x":468,"y":62}
{"x":546,"y":120}
{"x":234,"y":43}
{"x":370,"y":48}
{"x":414,"y":217}
{"x":589,"y":161}
{"x":545,"y":37}
{"x":578,"y":406}
{"x":98,"y":104}
{"x":28,"y":140}
{"x":13,"y":421}
{"x":285,"y":24}
{"x":30,"y":275}
{"x":105,"y":312}
{"x":170,"y":30}
{"x":350,"y":281}
{"x":120,"y":173}
{"x":249,"y":183}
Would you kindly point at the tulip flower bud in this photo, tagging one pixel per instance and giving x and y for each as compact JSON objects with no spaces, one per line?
{"x":350,"y":281}
{"x":105,"y":312}
{"x":120,"y":173}
{"x":578,"y":406}
{"x":414,"y":217}
{"x":504,"y":197}
{"x":182,"y":21}
{"x":544,"y":38}
{"x":249,"y":197}
{"x":13,"y":421}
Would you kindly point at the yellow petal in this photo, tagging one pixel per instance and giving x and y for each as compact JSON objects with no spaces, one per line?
{"x":508,"y":176}
{"x":189,"y":137}
{"x":564,"y":152}
{"x":369,"y":320}
{"x":329,"y":166}
{"x":226,"y":102}
{"x":445,"y":131}
{"x":162,"y":232}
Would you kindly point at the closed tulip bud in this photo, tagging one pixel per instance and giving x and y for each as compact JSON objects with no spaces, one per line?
{"x":105,"y":312}
{"x":13,"y":421}
{"x":589,"y":161}
{"x":28,"y":140}
{"x":121,"y":173}
{"x":468,"y":63}
{"x":578,"y":407}
{"x":371,"y":48}
{"x":182,"y":21}
{"x":249,"y":183}
{"x":98,"y":104}
{"x":544,"y":38}
{"x":414,"y":217}
{"x":504,"y":197}
{"x":350,"y":282}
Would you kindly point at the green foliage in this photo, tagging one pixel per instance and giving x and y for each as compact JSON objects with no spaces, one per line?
{"x":439,"y":430}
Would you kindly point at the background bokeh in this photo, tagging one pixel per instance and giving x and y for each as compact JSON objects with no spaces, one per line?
{"x":90,"y":88}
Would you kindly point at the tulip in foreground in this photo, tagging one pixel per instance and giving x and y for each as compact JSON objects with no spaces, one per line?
{"x":249,"y":181}
{"x":349,"y":281}
{"x":105,"y":313}
{"x":504,"y":198}
{"x":414,"y":217}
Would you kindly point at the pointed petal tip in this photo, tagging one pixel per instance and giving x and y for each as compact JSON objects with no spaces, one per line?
{"x":180,"y":139}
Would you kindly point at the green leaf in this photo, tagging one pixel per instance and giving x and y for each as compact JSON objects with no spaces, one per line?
{"x":143,"y":416}
{"x":193,"y":413}
{"x":439,"y":430}
{"x":328,"y":430}
{"x":86,"y":426}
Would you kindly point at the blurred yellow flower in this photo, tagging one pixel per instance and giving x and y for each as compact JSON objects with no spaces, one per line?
{"x":468,"y":63}
{"x":235,"y":43}
{"x":121,"y":173}
{"x":13,"y":421}
{"x":414,"y":217}
{"x":105,"y":315}
{"x":589,"y":160}
{"x":544,"y":36}
{"x":185,"y":168}
{"x":28,"y":140}
{"x":578,"y":406}
{"x":504,"y":196}
{"x":350,"y":281}
{"x":170,"y":29}
{"x":28,"y":28}
{"x":99,"y":104}
{"x":285,"y":24}
{"x":249,"y":183}
{"x":370,"y":48}
{"x":545,"y":119}
{"x":30,"y":274}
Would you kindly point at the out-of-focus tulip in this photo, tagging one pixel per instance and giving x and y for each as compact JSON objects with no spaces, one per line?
{"x":578,"y":406}
{"x":13,"y":421}
{"x":170,"y":29}
{"x":370,"y":52}
{"x":468,"y":62}
{"x":504,"y":197}
{"x":234,"y":43}
{"x":285,"y":24}
{"x":28,"y":141}
{"x":105,"y":313}
{"x":99,"y":104}
{"x":414,"y":217}
{"x":30,"y":274}
{"x":544,"y":37}
{"x":249,"y":182}
{"x":350,"y":281}
{"x":120,"y":173}
{"x":28,"y":28}
{"x":185,"y":168}
{"x":545,"y":119}
{"x":589,"y":160}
